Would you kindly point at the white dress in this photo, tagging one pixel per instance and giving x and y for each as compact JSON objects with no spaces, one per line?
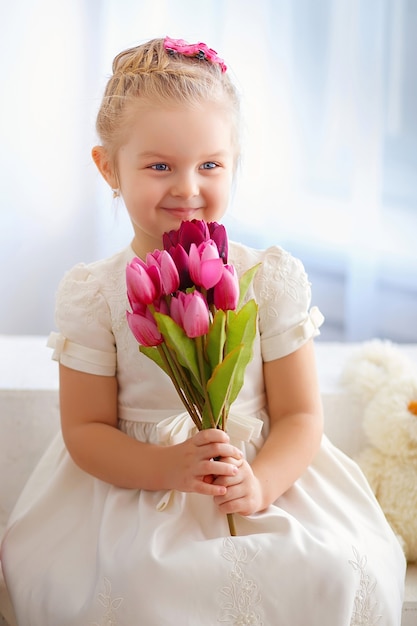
{"x":80,"y":552}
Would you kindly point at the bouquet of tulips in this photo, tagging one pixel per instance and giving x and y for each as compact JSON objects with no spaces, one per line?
{"x":188,"y":317}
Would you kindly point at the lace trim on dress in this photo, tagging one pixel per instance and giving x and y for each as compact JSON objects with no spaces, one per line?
{"x":110,"y":606}
{"x":242,"y":595}
{"x":365,"y":603}
{"x":283,"y":274}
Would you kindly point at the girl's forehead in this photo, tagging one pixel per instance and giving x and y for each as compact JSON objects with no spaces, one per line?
{"x":169,"y":107}
{"x":209,"y":127}
{"x":208,"y":121}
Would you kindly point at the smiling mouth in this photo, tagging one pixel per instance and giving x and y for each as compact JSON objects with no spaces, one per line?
{"x":181,"y":212}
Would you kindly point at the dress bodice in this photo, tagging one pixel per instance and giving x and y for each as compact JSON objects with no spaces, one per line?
{"x":94,"y":336}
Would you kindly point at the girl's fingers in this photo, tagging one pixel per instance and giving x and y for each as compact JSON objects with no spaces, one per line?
{"x":210,"y":489}
{"x":233,"y":460}
{"x":219,"y":468}
{"x":214,"y":443}
{"x":211,"y":435}
{"x":222,"y":451}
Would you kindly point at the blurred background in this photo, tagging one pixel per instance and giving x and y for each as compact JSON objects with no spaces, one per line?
{"x":329,"y":171}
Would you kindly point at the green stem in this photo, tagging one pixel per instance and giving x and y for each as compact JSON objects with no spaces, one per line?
{"x":190,"y":391}
{"x":224,"y":418}
{"x":177,"y":379}
{"x":203,"y":379}
{"x":225,"y":411}
{"x":231,"y":522}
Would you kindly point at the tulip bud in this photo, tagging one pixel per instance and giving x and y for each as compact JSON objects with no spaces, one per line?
{"x":170,"y":239}
{"x":190,"y":311}
{"x":143,"y":283}
{"x":170,"y":279}
{"x":196,"y":315}
{"x":144,"y":328}
{"x":219,"y":236}
{"x":226,"y":292}
{"x":205,"y":264}
{"x":181,"y":261}
{"x":193,"y":231}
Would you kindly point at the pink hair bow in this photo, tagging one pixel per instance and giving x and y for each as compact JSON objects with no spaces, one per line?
{"x":197,"y":50}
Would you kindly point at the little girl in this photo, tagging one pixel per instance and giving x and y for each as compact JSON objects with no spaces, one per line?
{"x":124,"y":524}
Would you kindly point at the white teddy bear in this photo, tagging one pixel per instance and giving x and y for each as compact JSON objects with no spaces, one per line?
{"x":386,"y":382}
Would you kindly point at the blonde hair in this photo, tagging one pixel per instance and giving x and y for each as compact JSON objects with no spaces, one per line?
{"x":150,"y":72}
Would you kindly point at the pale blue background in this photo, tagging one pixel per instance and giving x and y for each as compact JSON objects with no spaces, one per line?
{"x":329,"y":90}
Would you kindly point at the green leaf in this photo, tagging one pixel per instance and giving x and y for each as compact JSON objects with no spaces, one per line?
{"x":216,"y":339}
{"x":183,"y":346}
{"x":221,"y":384}
{"x":245,"y":281}
{"x":206,"y":418}
{"x":241,"y":326}
{"x":245,"y":356}
{"x":241,"y":332}
{"x":153,"y":353}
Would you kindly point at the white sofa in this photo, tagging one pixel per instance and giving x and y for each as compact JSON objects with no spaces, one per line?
{"x":29,"y":419}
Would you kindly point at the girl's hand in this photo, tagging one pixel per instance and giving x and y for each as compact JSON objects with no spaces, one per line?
{"x":195,"y":468}
{"x":243,"y":490}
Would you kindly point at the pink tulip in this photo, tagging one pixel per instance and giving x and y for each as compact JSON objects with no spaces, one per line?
{"x":143,"y":283}
{"x":226,"y":292}
{"x":206,"y":266}
{"x":144,"y":328}
{"x":170,"y":279}
{"x":190,"y":311}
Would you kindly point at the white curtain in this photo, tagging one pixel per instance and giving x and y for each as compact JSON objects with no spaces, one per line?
{"x":329,"y":170}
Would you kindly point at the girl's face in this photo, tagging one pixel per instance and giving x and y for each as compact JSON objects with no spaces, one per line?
{"x":177,"y":164}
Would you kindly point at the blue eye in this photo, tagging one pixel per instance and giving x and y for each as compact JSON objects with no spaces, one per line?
{"x":160,"y":167}
{"x":210,"y":165}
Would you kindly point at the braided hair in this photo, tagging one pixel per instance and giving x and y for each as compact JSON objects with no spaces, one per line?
{"x":151,"y":73}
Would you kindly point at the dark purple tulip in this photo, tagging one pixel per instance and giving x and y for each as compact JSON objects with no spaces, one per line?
{"x":178,"y":244}
{"x":219,"y":236}
{"x":193,"y":231}
{"x":170,"y":239}
{"x":181,"y":260}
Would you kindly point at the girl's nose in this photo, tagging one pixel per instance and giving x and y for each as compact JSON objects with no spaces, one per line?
{"x":185,"y":185}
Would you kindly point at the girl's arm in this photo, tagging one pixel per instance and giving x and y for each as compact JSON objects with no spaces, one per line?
{"x":296,"y":427}
{"x":296,"y":418}
{"x":89,"y":414}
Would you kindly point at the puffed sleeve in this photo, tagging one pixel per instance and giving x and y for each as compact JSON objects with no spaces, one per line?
{"x":85,"y":340}
{"x":286,"y":321}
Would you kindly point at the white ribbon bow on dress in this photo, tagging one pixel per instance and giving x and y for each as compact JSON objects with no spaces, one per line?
{"x":178,"y":428}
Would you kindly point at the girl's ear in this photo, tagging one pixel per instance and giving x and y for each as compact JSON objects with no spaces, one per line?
{"x":104,"y":165}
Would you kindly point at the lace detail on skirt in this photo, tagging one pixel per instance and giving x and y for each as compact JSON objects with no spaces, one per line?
{"x":365,"y":604}
{"x":241,"y":596}
{"x":110,"y":606}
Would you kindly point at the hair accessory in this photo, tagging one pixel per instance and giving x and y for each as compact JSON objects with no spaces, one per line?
{"x":196,"y":50}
